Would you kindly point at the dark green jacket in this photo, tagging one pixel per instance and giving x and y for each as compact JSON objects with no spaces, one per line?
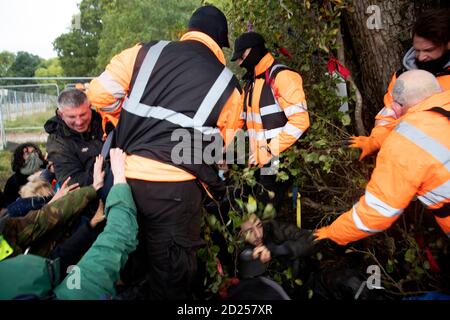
{"x":100,"y":267}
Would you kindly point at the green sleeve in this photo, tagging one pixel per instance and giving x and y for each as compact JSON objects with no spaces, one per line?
{"x":99,"y":268}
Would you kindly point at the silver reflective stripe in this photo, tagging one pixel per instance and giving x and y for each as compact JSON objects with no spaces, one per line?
{"x":381,"y":207}
{"x":273,"y":108}
{"x":296,"y":108}
{"x":213,"y":96}
{"x":270,"y":134}
{"x":254,"y":117}
{"x":112,"y":107}
{"x":292,"y":130}
{"x":359,"y":224}
{"x":436,"y":195}
{"x":258,"y":135}
{"x":275,"y":67}
{"x":111,"y":85}
{"x":145,"y":71}
{"x":134,"y":106}
{"x":387,"y":112}
{"x":424,"y":141}
{"x":180,"y":119}
{"x":162,"y":113}
{"x":243,"y":115}
{"x":381,"y":122}
{"x":208,"y":130}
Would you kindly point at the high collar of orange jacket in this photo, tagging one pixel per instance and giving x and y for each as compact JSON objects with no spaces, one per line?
{"x":207,"y":41}
{"x":264,"y":64}
{"x":437,"y":100}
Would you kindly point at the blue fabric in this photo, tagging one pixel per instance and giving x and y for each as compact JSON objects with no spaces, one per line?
{"x":22,"y":206}
{"x":430,"y":296}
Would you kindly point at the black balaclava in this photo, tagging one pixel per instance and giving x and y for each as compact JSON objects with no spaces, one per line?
{"x":435,"y":66}
{"x":212,"y":21}
{"x":254,"y":57}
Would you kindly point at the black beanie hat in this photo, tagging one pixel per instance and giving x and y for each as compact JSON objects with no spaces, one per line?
{"x":245,"y":41}
{"x":212,"y":21}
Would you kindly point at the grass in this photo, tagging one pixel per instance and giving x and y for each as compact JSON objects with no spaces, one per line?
{"x":36,"y":120}
{"x":5,"y":162}
{"x":5,"y":167}
{"x":22,"y":125}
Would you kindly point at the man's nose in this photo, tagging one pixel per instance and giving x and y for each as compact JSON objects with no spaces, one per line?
{"x":258,"y":233}
{"x":422,"y":57}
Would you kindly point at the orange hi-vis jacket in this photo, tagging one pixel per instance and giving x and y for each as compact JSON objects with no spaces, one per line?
{"x":387,"y":119}
{"x":276,"y":113}
{"x":413,"y":161}
{"x":108,"y":92}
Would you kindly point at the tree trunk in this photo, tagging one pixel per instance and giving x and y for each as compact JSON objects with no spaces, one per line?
{"x":377,"y":43}
{"x":376,"y":36}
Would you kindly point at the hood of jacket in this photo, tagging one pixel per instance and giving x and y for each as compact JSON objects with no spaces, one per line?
{"x":409,"y":60}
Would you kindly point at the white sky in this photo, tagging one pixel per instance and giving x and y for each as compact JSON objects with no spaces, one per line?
{"x":32,"y":25}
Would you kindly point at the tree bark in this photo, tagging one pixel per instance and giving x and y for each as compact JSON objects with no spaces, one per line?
{"x":378,"y":32}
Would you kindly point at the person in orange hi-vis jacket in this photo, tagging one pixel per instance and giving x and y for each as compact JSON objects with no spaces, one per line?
{"x":414,"y":161}
{"x":276,"y":110}
{"x":430,"y":52}
{"x":164,"y":91}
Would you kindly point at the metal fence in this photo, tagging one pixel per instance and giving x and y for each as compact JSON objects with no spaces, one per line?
{"x":16,"y":105}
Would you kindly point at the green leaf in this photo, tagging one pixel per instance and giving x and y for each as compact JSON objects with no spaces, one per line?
{"x":283,"y":176}
{"x":346,"y":120}
{"x":269,"y":212}
{"x":410,"y":255}
{"x":251,"y":205}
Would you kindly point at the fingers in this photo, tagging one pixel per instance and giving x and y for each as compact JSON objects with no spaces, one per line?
{"x":351,"y":142}
{"x":261,"y":253}
{"x":73,"y":187}
{"x":99,"y":161}
{"x":65,"y":183}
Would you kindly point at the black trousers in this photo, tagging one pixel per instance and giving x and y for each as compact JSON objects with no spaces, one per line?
{"x":169,"y":216}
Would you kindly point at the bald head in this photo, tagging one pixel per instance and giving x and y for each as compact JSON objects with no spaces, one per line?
{"x":412,"y":87}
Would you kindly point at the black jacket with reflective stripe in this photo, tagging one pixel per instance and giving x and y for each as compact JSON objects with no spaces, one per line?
{"x":182,"y":76}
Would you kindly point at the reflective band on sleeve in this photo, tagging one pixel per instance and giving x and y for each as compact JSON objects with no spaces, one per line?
{"x":112,"y":107}
{"x":296,"y":108}
{"x":359,"y":224}
{"x":292,"y":130}
{"x":111,"y":85}
{"x":387,"y":112}
{"x":437,"y":195}
{"x":381,"y":207}
{"x":273,"y":108}
{"x":270,"y":134}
